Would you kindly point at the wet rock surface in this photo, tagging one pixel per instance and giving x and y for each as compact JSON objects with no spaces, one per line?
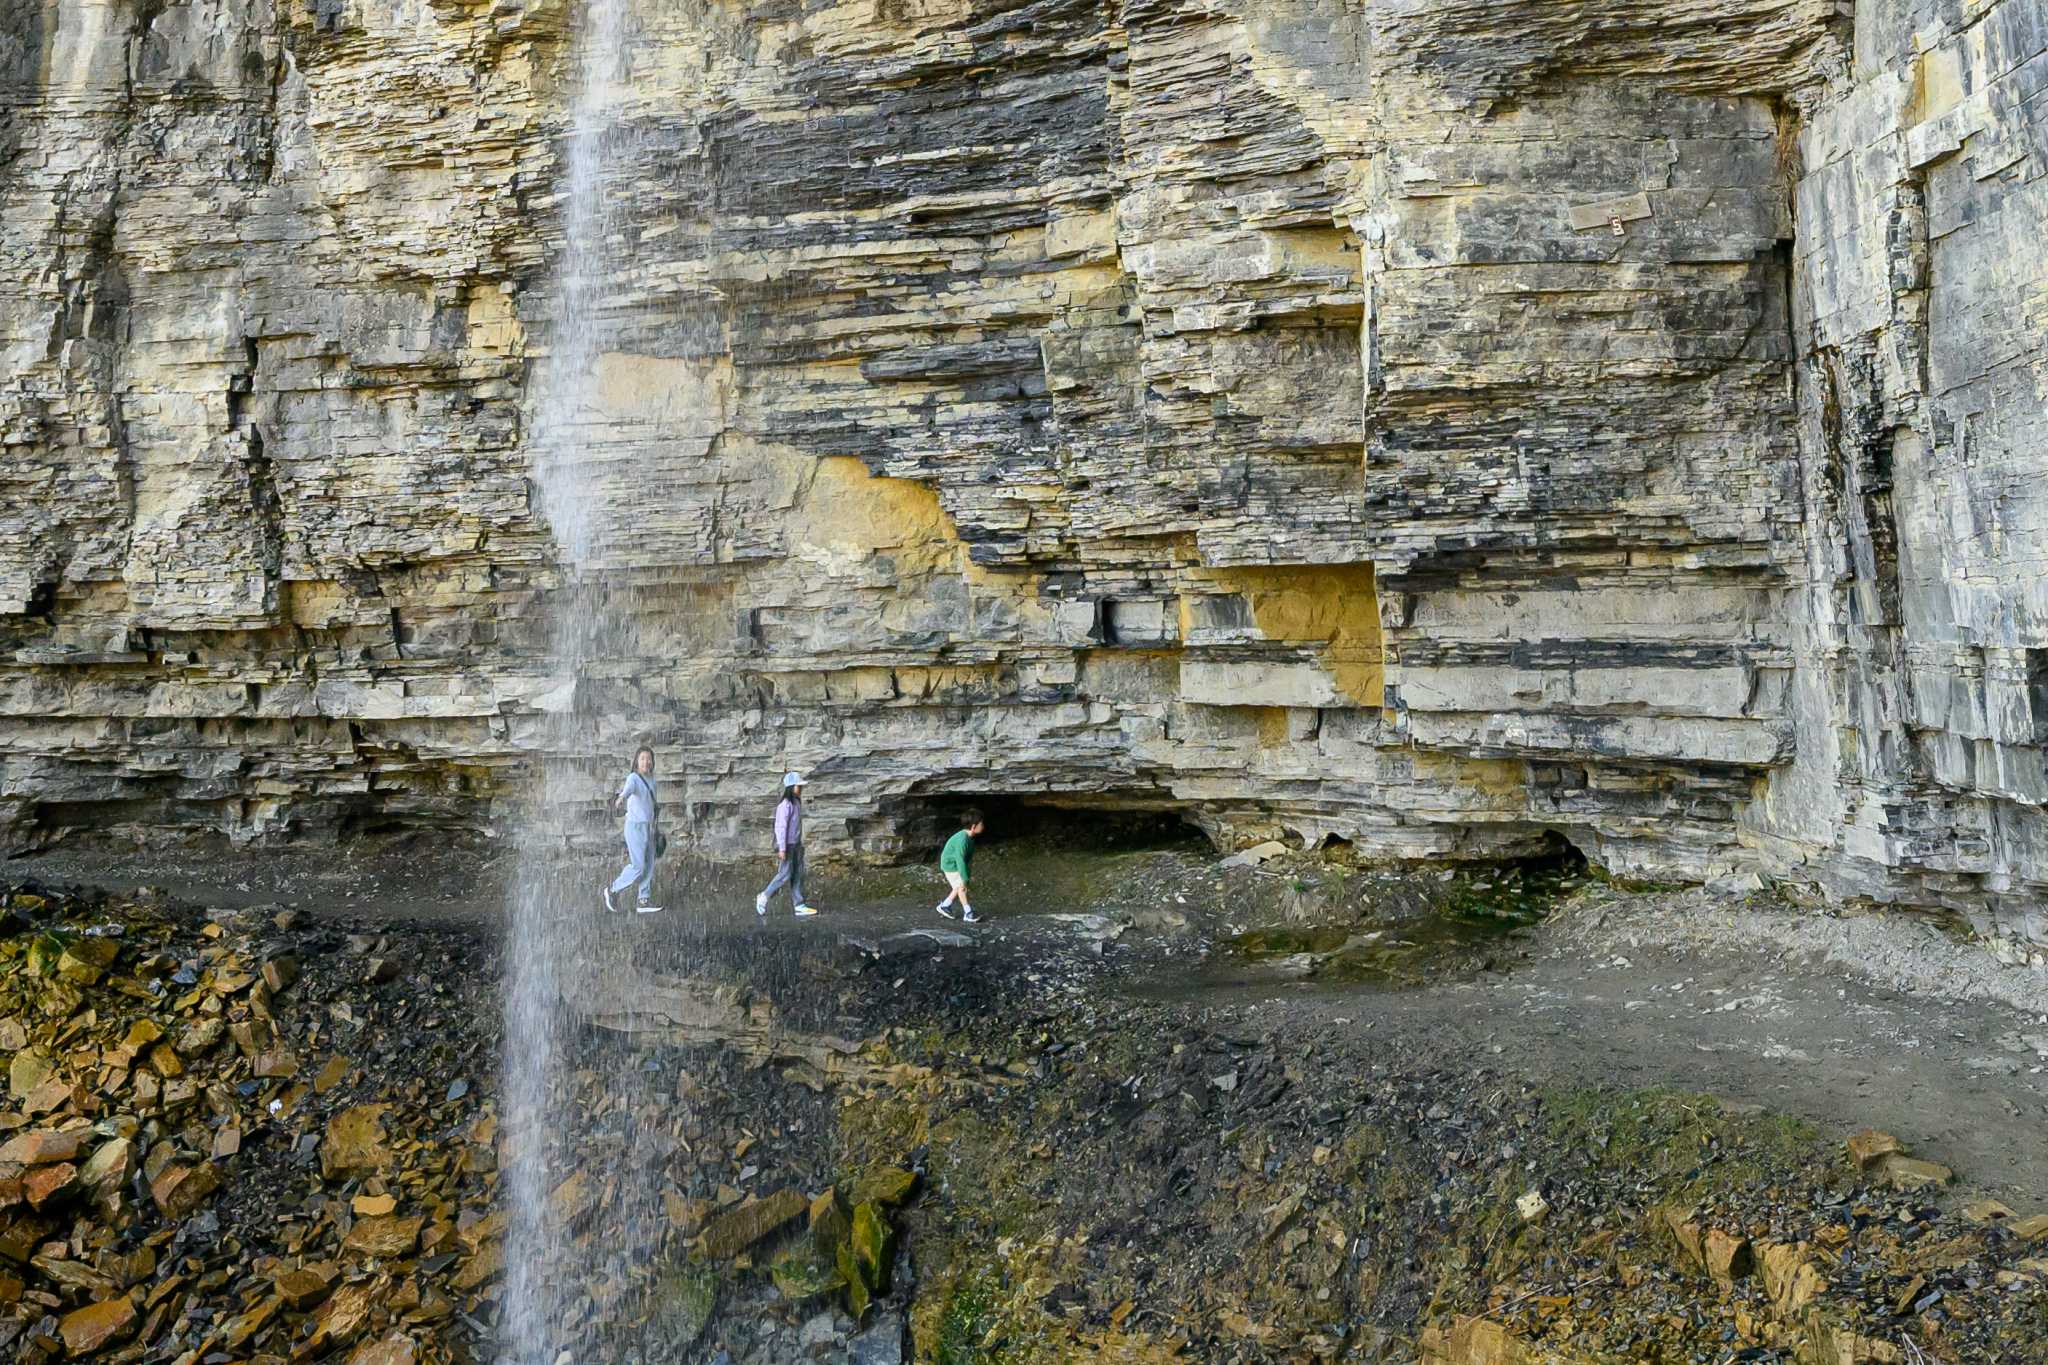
{"x":1420,"y":423}
{"x":1016,"y":1147}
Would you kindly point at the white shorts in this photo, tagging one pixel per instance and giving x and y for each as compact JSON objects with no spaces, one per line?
{"x":956,"y":881}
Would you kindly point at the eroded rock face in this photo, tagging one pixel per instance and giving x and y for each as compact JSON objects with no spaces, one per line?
{"x":1421,"y":424}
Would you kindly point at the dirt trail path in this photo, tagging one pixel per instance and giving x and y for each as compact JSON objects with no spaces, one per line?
{"x":1815,"y":1042}
{"x":1672,"y":990}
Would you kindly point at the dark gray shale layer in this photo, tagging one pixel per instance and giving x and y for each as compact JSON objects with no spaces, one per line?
{"x":1431,"y":425}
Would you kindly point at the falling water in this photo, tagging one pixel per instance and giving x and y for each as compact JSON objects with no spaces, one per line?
{"x":561,"y":949}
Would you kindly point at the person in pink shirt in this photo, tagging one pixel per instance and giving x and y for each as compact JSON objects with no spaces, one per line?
{"x":789,"y":848}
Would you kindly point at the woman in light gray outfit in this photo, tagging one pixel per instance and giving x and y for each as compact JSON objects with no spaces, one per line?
{"x":637,"y":796}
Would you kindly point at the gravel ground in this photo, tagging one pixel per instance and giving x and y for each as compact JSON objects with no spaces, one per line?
{"x":1134,"y":1139}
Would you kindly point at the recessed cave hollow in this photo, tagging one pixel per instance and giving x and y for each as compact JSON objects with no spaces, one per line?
{"x":913,"y":827}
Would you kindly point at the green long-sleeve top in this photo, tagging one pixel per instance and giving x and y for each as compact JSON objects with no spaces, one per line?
{"x":958,"y":855}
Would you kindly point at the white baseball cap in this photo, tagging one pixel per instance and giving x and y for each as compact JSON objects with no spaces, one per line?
{"x":792,"y":779}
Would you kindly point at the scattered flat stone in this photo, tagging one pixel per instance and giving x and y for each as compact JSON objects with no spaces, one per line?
{"x":355,"y":1143}
{"x":1871,"y":1146}
{"x":395,"y":1349}
{"x":480,"y":1269}
{"x":27,"y":1072}
{"x":40,"y":1146}
{"x":45,"y":1186}
{"x":685,"y":1214}
{"x":180,"y":1189}
{"x":880,"y":1344}
{"x":301,"y":1288}
{"x":887,"y":1186}
{"x":831,"y":1224}
{"x":818,"y":1332}
{"x":332,"y":1073}
{"x":343,"y":1317}
{"x":1911,"y":1173}
{"x":248,"y":1323}
{"x":474,"y":1233}
{"x":731,"y":1233}
{"x":684,"y":1302}
{"x":573,"y":1199}
{"x":858,"y":1295}
{"x":91,"y":1328}
{"x":385,"y":1238}
{"x":1728,"y":1256}
{"x":280,"y":974}
{"x":1789,"y":1276}
{"x":202,"y":1036}
{"x":110,"y":1165}
{"x":85,"y":959}
{"x":1686,"y":1232}
{"x":1256,"y":855}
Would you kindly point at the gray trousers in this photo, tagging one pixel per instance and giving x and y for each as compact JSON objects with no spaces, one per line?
{"x":790,"y":874}
{"x":639,"y":861}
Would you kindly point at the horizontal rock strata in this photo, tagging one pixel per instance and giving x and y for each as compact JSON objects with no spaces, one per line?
{"x":1436,"y":426}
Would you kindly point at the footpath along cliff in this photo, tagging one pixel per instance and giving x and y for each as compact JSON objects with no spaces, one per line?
{"x":1435,"y":426}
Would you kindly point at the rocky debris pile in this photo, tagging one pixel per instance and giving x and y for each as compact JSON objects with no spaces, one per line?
{"x":1855,"y":1273}
{"x":765,"y":1246}
{"x":253,"y":1135}
{"x":1162,"y":1188}
{"x":245,"y":1137}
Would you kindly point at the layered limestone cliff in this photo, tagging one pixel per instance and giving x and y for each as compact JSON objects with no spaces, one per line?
{"x":1432,"y":424}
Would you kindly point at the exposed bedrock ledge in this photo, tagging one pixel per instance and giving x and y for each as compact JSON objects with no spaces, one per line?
{"x":1422,"y":424}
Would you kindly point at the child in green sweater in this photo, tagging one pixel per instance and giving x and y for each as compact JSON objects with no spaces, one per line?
{"x":956,"y":861}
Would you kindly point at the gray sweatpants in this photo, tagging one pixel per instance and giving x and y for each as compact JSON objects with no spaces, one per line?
{"x":639,"y":861}
{"x":790,"y":874}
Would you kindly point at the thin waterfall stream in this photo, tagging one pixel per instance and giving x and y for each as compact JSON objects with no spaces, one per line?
{"x":563,"y":954}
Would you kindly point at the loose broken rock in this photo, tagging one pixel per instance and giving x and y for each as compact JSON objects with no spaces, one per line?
{"x":91,"y":1328}
{"x":731,"y":1233}
{"x":1910,"y":1173}
{"x":1871,"y":1146}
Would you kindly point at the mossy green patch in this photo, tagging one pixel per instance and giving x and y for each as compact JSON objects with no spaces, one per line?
{"x":800,"y":1273}
{"x":1678,"y":1144}
{"x":966,"y":1315}
{"x":682,"y":1304}
{"x":873,"y":1245}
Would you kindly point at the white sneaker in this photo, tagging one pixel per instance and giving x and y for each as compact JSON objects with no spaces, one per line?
{"x":944,"y":909}
{"x":646,"y":909}
{"x":608,"y":899}
{"x":760,"y":905}
{"x":805,"y":911}
{"x":968,"y":916}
